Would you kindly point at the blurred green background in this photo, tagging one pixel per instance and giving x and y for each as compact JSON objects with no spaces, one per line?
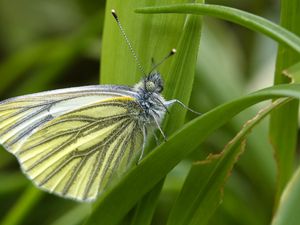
{"x":55,"y":44}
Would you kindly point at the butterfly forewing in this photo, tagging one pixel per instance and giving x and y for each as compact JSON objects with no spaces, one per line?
{"x":73,"y":145}
{"x":22,"y":115}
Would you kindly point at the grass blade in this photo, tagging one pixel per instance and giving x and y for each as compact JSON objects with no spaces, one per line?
{"x":179,"y":82}
{"x":202,"y":191}
{"x":245,"y":19}
{"x":288,"y":209}
{"x":140,"y":179}
{"x":284,"y":121}
{"x":21,"y":209}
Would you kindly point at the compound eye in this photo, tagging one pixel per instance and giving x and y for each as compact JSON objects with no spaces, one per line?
{"x":160,"y":89}
{"x":150,"y":86}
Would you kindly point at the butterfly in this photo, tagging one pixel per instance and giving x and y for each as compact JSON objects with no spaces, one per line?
{"x":75,"y":142}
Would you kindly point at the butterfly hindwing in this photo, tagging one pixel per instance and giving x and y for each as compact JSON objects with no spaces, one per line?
{"x":79,"y":150}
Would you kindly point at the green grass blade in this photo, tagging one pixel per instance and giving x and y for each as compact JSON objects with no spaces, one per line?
{"x":289,"y":204}
{"x":74,"y":216}
{"x":179,"y":82}
{"x":284,"y":121}
{"x":151,"y":36}
{"x":11,"y":182}
{"x":202,"y":191}
{"x":145,"y":208}
{"x":245,"y":19}
{"x":213,"y":83}
{"x":140,"y":179}
{"x":266,"y":27}
{"x":240,"y":203}
{"x":22,"y":208}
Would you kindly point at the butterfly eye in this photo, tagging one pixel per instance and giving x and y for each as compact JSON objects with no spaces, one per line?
{"x":150,"y":86}
{"x":160,"y":89}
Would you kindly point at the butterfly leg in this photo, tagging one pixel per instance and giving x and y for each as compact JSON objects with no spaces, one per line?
{"x":171,"y":102}
{"x":144,"y":144}
{"x":156,"y":138}
{"x":159,"y":128}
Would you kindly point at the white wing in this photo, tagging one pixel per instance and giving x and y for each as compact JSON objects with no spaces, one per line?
{"x":73,"y":142}
{"x":20,"y":116}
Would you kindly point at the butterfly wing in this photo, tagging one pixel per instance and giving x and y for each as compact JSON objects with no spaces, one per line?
{"x":78,"y":150}
{"x":20,"y":116}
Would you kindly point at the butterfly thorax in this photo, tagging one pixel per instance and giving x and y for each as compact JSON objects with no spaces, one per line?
{"x":150,"y":99}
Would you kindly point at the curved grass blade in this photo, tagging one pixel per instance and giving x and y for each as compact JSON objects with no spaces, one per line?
{"x":289,"y":204}
{"x":251,"y":21}
{"x":24,"y":205}
{"x":284,"y":121}
{"x":213,"y":83}
{"x":140,"y":179}
{"x":282,"y":36}
{"x":11,"y":182}
{"x":74,"y":216}
{"x":202,"y":190}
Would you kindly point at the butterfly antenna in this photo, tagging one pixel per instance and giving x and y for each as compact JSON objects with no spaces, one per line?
{"x":113,"y":12}
{"x":172,"y":52}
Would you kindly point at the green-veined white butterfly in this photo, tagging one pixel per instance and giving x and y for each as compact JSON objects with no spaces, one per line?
{"x":74,"y":141}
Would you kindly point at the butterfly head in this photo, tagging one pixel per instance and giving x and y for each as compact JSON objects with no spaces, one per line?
{"x":150,"y":99}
